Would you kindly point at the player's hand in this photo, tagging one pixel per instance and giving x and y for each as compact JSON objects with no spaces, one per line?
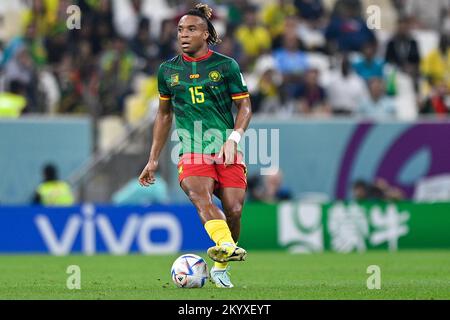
{"x":228,"y":151}
{"x":147,"y":176}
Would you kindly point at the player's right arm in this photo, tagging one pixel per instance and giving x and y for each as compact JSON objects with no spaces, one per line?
{"x":161,"y":129}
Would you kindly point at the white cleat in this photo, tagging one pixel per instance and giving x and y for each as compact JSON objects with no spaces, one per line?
{"x":221,"y":277}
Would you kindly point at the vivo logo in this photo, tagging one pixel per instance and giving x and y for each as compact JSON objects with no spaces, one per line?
{"x":135,"y":227}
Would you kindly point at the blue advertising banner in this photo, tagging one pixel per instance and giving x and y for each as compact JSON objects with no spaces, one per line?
{"x":90,"y":229}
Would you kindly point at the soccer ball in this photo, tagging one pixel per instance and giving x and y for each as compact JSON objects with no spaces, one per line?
{"x":189,"y":271}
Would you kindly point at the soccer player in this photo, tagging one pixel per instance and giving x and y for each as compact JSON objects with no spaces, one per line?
{"x":199,"y":86}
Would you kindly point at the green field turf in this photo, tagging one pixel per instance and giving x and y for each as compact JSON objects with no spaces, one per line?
{"x":265,"y":275}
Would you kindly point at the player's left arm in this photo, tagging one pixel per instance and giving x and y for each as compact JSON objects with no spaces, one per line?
{"x":243,"y":117}
{"x":244,"y":114}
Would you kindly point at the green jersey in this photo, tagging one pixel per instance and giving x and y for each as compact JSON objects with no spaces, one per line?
{"x":201,"y":92}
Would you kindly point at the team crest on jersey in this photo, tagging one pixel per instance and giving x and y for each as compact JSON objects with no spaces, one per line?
{"x":215,"y":76}
{"x":174,"y":79}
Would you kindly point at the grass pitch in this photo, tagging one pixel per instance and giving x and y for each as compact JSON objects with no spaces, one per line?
{"x":265,"y":275}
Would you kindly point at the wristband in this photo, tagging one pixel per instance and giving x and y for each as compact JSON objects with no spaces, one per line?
{"x":235,"y":136}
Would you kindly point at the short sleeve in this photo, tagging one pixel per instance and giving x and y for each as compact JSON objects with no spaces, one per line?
{"x":164,"y":92}
{"x":236,"y":83}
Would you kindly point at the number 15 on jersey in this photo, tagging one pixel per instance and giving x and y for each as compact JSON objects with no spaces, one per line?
{"x":197,"y":95}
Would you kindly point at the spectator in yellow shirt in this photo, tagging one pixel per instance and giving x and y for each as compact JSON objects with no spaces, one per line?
{"x":53,"y":191}
{"x":43,"y":14}
{"x":253,"y":37}
{"x":274,"y":15}
{"x":13,"y":102}
{"x":436,"y":65}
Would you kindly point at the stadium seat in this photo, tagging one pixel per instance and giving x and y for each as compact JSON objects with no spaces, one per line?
{"x":427,"y":40}
{"x":110,"y":131}
{"x":436,"y":188}
{"x":405,"y":99}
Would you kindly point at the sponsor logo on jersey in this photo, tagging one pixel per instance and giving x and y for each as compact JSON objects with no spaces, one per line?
{"x":194,"y":76}
{"x":174,"y":79}
{"x":215,"y":76}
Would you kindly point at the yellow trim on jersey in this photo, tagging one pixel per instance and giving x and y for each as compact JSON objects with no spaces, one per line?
{"x":165,"y":98}
{"x":240,"y":96}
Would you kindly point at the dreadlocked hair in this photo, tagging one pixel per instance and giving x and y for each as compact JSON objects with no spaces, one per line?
{"x":205,"y":12}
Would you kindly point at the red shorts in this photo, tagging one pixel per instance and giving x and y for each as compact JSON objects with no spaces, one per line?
{"x":205,"y":165}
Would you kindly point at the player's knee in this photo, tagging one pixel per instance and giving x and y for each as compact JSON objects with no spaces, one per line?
{"x":199,"y":199}
{"x":235,"y":211}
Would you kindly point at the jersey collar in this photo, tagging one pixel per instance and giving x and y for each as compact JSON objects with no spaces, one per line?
{"x":206,"y":56}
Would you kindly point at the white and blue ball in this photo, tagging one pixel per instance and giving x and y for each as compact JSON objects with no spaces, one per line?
{"x":189,"y":271}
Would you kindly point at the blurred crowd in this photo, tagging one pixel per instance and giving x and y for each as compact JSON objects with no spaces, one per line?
{"x":268,"y":188}
{"x":314,"y":58}
{"x":379,"y":190}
